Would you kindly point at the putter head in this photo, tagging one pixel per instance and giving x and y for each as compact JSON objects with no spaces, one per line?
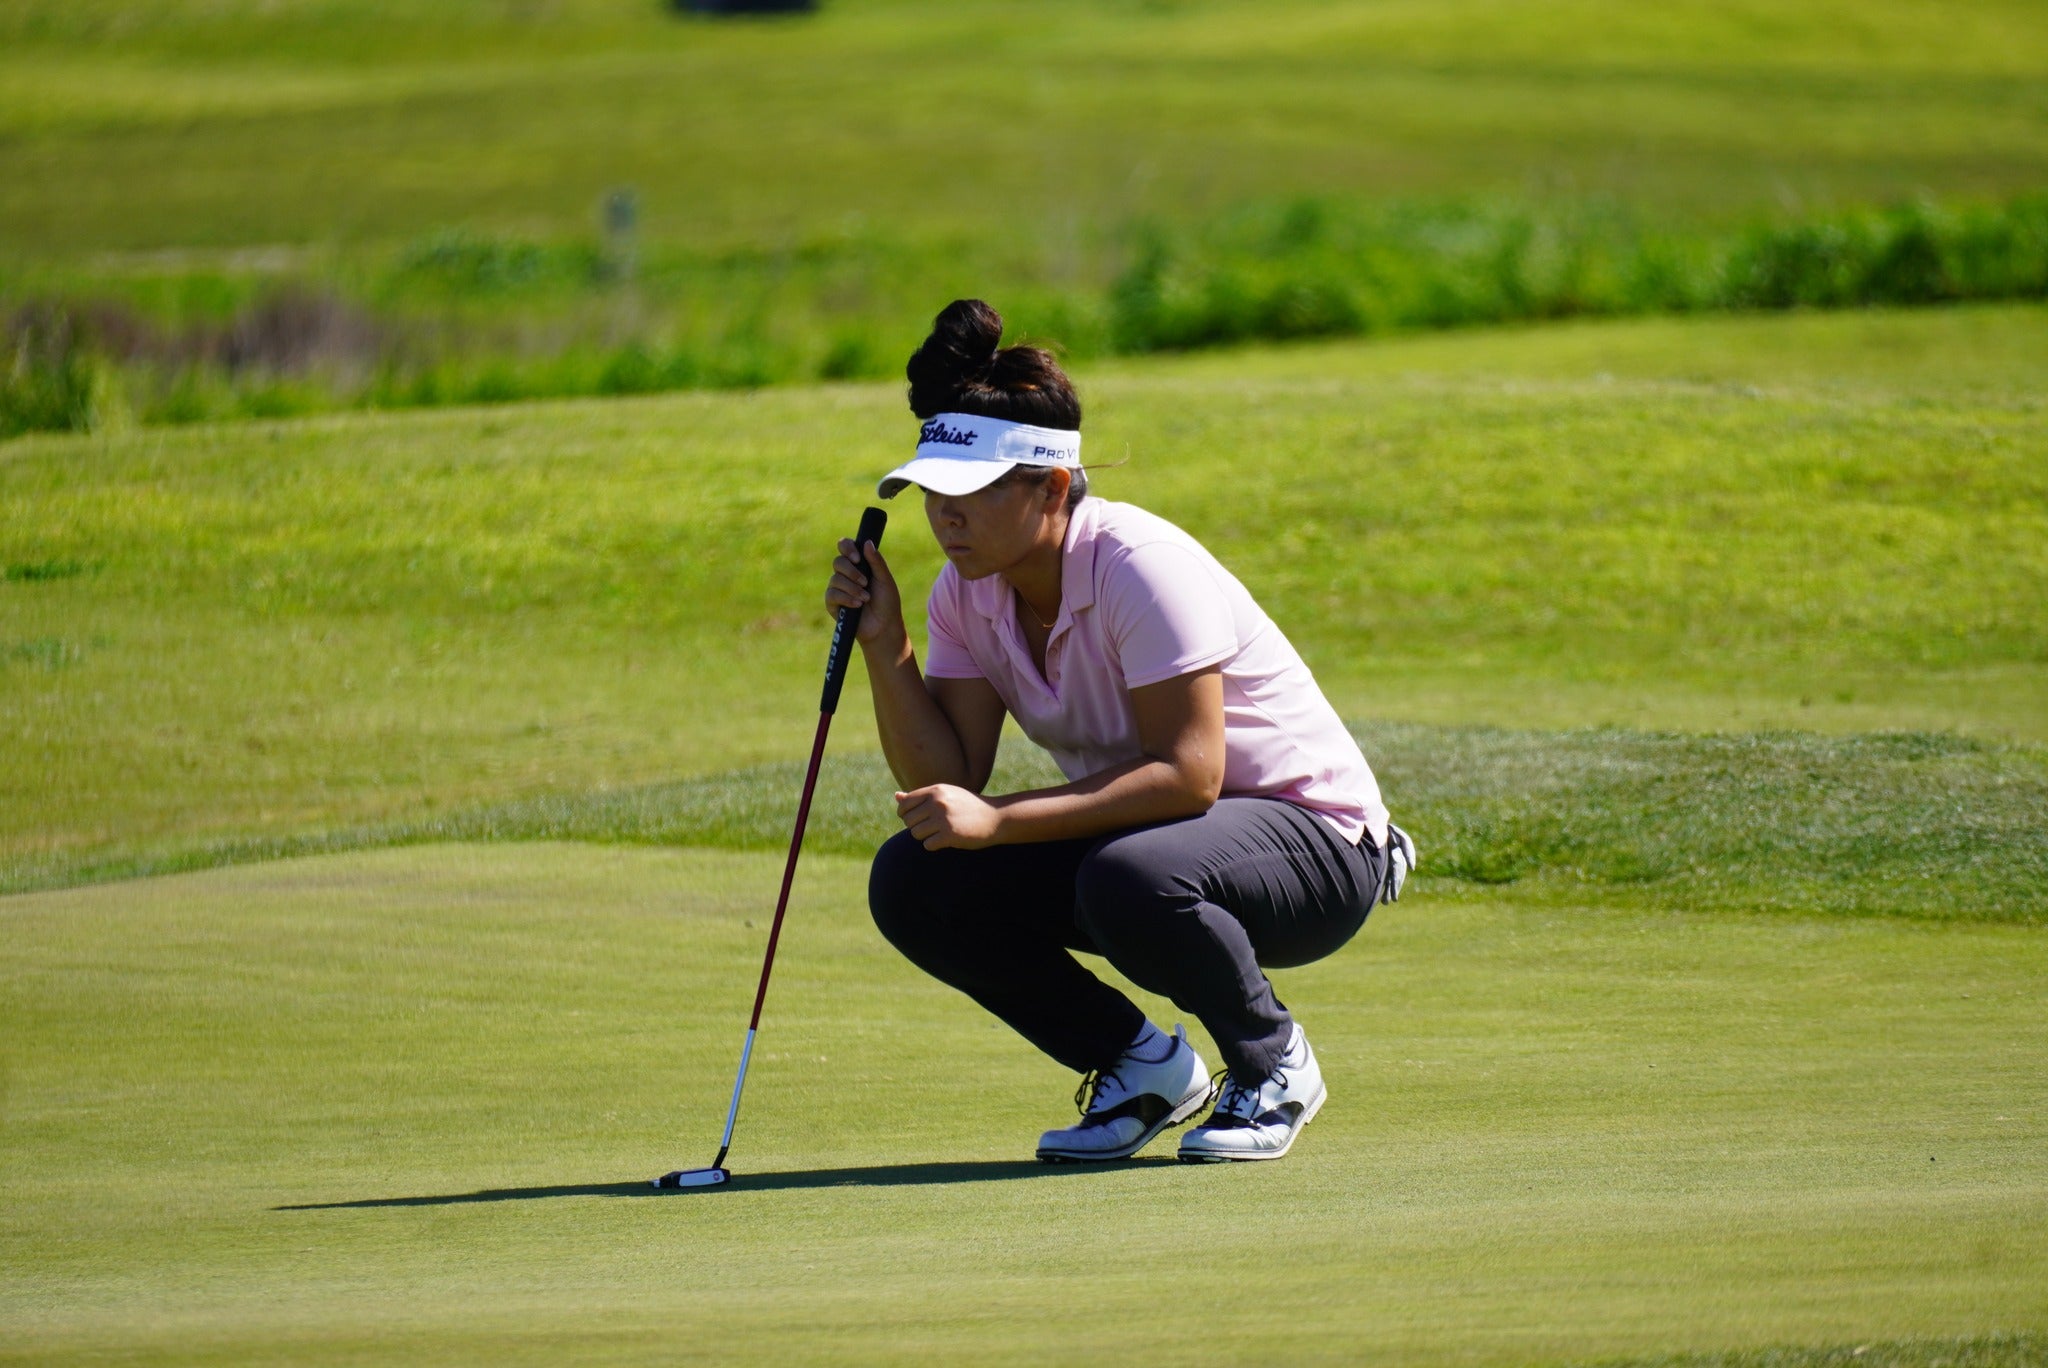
{"x":691,"y":1178}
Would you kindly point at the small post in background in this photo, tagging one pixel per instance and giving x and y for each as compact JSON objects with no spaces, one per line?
{"x":622,"y":232}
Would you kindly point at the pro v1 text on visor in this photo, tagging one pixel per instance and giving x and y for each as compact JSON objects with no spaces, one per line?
{"x":958,"y":453}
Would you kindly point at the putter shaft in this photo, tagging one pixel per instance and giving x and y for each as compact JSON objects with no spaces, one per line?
{"x":843,"y":632}
{"x":796,"y":845}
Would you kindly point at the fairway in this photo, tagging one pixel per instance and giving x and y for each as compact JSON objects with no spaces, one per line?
{"x":240,"y":123}
{"x":404,"y":1104}
{"x":247,"y":631}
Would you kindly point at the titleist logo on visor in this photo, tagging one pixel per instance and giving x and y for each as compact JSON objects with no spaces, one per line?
{"x":958,"y":453}
{"x":937,"y":433}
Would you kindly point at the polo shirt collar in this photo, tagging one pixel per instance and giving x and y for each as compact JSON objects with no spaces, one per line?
{"x":991,"y":597}
{"x":1077,"y":562}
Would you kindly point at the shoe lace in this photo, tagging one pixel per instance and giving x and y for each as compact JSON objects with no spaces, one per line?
{"x":1089,"y":1094}
{"x":1224,"y":1089}
{"x":1092,"y":1085}
{"x":1238,"y":1100}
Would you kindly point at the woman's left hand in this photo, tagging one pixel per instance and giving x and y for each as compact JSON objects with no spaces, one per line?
{"x":944,"y":816}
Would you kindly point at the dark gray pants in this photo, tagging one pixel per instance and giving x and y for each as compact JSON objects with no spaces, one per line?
{"x":1190,"y":910}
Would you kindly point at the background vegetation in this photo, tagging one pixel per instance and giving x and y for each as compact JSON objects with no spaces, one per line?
{"x":461,"y":317}
{"x":263,"y":209}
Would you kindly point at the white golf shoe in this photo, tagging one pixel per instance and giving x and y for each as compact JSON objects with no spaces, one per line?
{"x":1130,"y":1103}
{"x":1261,"y":1122}
{"x":1401,"y":859}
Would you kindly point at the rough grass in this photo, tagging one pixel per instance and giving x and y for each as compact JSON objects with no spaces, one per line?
{"x":401,"y":1106}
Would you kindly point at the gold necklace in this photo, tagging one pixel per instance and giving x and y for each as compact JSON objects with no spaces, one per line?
{"x":1025,"y":603}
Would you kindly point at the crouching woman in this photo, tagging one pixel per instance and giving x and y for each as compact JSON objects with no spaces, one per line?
{"x":1218,"y":819}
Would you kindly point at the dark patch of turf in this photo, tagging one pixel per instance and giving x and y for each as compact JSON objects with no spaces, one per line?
{"x":1900,"y":823}
{"x":31,"y":572}
{"x":44,"y":653}
{"x":1906,"y":824}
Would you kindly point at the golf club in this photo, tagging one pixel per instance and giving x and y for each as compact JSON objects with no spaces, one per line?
{"x":871,"y":524}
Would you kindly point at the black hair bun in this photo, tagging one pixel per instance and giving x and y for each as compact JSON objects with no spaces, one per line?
{"x":960,"y":354}
{"x":959,"y":369}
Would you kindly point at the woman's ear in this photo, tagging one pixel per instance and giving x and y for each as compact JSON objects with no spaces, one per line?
{"x":1057,"y":486}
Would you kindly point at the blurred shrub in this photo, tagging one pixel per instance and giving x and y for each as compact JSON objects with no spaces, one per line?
{"x":1312,"y":268}
{"x":49,"y":383}
{"x":1915,"y":254}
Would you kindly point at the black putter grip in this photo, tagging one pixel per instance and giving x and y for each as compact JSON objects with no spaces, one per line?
{"x":871,"y":524}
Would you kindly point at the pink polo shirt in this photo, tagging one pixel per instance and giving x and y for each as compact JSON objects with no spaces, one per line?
{"x":1140,"y":602}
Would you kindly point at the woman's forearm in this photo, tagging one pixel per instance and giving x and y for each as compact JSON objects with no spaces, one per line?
{"x":918,"y":739}
{"x":1131,"y":794}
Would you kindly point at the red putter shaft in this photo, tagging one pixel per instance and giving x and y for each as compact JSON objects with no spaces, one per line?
{"x":796,"y":841}
{"x":872,"y":522}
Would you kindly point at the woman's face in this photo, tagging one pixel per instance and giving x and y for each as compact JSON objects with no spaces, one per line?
{"x":995,"y":527}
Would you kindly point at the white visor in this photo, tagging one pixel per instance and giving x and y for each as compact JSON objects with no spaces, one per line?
{"x":958,"y":453}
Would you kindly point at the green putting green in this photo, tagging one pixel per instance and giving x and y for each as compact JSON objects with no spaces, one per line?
{"x":403,"y":1104}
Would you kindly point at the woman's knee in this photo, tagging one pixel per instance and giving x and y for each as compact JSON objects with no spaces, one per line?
{"x":899,"y":884}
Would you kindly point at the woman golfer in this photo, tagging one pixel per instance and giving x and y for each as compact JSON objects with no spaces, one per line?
{"x":1218,"y":818}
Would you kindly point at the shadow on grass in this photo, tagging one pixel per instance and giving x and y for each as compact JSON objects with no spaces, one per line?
{"x":878,"y":1175}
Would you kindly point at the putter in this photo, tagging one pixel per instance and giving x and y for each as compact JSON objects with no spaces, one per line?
{"x":871,"y":524}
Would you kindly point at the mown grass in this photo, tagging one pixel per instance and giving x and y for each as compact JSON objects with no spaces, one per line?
{"x":400,"y":1105}
{"x":289,"y":629}
{"x":221,"y":125}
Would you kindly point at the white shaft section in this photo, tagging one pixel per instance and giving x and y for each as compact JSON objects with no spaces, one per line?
{"x":732,"y":1113}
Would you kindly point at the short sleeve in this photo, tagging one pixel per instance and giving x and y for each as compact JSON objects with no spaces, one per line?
{"x":1165,"y":613}
{"x":946,"y":655}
